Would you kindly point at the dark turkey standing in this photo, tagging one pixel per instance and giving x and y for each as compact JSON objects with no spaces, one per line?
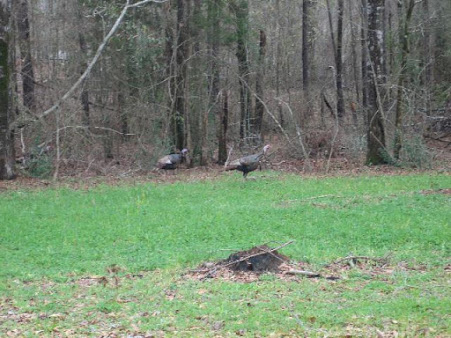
{"x":171,"y":162}
{"x":248,"y":163}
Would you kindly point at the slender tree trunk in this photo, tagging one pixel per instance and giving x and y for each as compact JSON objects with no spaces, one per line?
{"x":308,"y":37}
{"x":241,"y":10}
{"x":400,"y":109}
{"x":338,"y":54}
{"x":354,"y":64}
{"x":170,"y":127}
{"x":259,"y":86}
{"x":180,"y":108}
{"x":222,"y":129}
{"x":278,"y":61}
{"x":376,"y":153}
{"x":122,"y":113}
{"x":83,"y":65}
{"x":339,"y":61}
{"x":214,"y":20}
{"x":7,"y":156}
{"x":306,"y":43}
{"x":331,"y":28}
{"x":365,"y":60}
{"x":27,"y":72}
{"x":427,"y":55}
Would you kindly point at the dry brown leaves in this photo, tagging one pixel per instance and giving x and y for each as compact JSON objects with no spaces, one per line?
{"x":338,"y":167}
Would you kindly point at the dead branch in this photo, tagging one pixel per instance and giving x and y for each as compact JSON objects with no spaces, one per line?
{"x":308,"y":166}
{"x":304,"y":273}
{"x":90,"y":65}
{"x":228,"y":158}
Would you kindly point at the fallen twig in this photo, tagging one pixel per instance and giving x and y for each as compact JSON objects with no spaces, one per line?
{"x":304,"y":273}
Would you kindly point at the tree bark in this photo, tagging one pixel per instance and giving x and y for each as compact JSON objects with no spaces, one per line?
{"x":223,"y":126}
{"x":400,"y":109}
{"x":306,"y":43}
{"x":7,"y":156}
{"x":354,"y":64}
{"x":337,"y":47}
{"x":241,"y":10}
{"x":278,"y":61}
{"x":376,"y":153}
{"x":84,"y":97}
{"x":364,"y":60}
{"x":26,"y":71}
{"x":427,"y":55}
{"x":308,"y":37}
{"x":259,"y":86}
{"x":339,"y":61}
{"x":214,"y":20}
{"x":182,"y":49}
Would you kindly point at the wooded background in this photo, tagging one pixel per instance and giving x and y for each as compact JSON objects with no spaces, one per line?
{"x":367,"y":80}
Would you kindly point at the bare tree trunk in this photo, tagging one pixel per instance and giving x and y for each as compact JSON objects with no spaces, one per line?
{"x":83,"y":64}
{"x":241,"y":10}
{"x":364,"y":68}
{"x":308,"y":35}
{"x":222,"y":129}
{"x":122,"y":114}
{"x":404,"y":40}
{"x":354,"y":64}
{"x":7,"y":156}
{"x":84,"y":96}
{"x":306,"y":43}
{"x":259,"y":86}
{"x":27,"y":73}
{"x":427,"y":55}
{"x":376,"y":153}
{"x":214,"y":11}
{"x":339,"y":61}
{"x":179,"y":112}
{"x":279,"y":61}
{"x":331,"y":28}
{"x":338,"y":54}
{"x":169,"y":73}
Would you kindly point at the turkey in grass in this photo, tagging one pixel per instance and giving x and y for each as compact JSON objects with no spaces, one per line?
{"x":248,"y":163}
{"x":171,"y":161}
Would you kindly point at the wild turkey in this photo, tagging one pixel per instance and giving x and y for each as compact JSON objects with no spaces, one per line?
{"x":171,"y":162}
{"x":248,"y":163}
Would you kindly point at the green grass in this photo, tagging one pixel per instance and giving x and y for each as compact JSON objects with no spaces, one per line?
{"x":51,"y":239}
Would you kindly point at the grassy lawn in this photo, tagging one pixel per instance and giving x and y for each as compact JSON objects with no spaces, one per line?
{"x":113,"y":259}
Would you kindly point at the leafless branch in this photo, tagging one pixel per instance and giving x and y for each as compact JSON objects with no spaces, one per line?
{"x":304,"y":273}
{"x":93,"y":61}
{"x":299,"y":134}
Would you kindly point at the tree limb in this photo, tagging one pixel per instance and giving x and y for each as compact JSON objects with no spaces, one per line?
{"x":90,"y":65}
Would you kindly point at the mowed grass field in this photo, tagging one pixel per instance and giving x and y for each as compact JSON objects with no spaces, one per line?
{"x":114,"y":260}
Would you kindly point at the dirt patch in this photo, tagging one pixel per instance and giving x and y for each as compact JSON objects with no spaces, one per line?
{"x":258,"y":259}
